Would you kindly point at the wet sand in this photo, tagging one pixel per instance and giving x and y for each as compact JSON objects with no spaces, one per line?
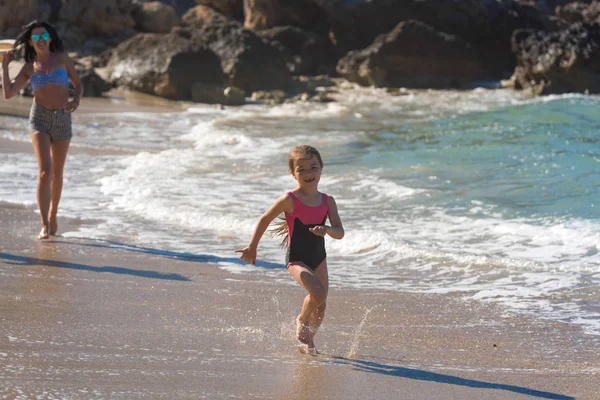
{"x":85,"y":319}
{"x":115,"y":100}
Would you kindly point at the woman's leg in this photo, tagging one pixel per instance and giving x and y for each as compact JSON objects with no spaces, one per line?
{"x":58,"y":152}
{"x":317,"y":294}
{"x":41,"y":147}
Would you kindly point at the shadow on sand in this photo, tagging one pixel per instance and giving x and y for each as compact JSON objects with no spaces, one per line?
{"x":31,"y":261}
{"x":201,"y":258}
{"x":417,"y":374}
{"x":108,"y":244}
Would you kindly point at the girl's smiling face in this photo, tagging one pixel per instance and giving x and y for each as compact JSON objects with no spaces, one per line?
{"x":307,"y":171}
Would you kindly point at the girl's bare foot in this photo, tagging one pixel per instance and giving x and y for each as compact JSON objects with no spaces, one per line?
{"x":302,"y":332}
{"x":308,"y":349}
{"x":44,"y":233}
{"x":53,"y":226}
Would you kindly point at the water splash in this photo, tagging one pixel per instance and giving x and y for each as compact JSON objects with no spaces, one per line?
{"x":357,"y":333}
{"x":287,"y":330}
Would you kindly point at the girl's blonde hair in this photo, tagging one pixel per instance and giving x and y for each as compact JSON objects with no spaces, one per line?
{"x":301,"y":152}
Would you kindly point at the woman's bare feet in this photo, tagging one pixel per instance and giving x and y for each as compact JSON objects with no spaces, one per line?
{"x":53,"y":226}
{"x":303,"y":332}
{"x":44,"y":233}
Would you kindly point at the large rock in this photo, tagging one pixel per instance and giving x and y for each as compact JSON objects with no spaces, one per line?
{"x":413,"y":54}
{"x":306,"y":53}
{"x":201,"y":16}
{"x":98,"y":17}
{"x":16,"y":13}
{"x":77,"y":41}
{"x":558,"y":62}
{"x":93,"y":84}
{"x":249,"y":62}
{"x":164,"y":65}
{"x":578,"y":12}
{"x":155,"y":17}
{"x":180,"y":6}
{"x":265,"y":14}
{"x":231,"y":8}
{"x":486,"y":24}
{"x":357,"y":23}
{"x":55,"y":6}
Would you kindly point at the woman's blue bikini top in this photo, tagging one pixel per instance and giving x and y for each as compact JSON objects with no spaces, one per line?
{"x":58,"y":76}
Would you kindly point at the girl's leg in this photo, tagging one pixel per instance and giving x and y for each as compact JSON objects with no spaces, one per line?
{"x":316,"y":318}
{"x":41,"y":146}
{"x":317,"y":294}
{"x":58,"y":151}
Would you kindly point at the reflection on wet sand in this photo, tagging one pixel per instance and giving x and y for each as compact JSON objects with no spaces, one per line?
{"x":40,"y":279}
{"x":308,"y":379}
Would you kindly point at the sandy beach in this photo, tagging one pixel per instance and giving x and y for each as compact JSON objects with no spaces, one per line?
{"x":98,"y":319}
{"x":94,"y":319}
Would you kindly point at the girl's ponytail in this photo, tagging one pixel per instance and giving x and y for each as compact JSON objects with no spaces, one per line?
{"x":280,"y":229}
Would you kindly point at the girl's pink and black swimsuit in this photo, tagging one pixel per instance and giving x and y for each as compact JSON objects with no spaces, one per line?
{"x":303,"y":245}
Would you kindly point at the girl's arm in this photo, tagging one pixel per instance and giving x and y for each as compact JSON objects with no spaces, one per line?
{"x":74,"y":78}
{"x":336,"y":230}
{"x":11,"y":88}
{"x":284,"y":203}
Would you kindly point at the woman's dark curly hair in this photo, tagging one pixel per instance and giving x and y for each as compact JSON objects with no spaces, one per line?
{"x":27,"y":50}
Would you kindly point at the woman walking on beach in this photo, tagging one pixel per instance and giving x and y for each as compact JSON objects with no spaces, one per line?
{"x":306,"y":211}
{"x":49,"y":69}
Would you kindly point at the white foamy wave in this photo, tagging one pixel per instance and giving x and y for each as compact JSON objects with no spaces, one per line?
{"x":16,"y":136}
{"x":23,"y":204}
{"x":553,"y":97}
{"x":527,"y":265}
{"x":132,"y":130}
{"x":14,"y":128}
{"x":568,"y":243}
{"x":412,"y":260}
{"x":374,"y":188}
{"x":425,"y":104}
{"x":210,"y":111}
{"x":298,"y":110}
{"x":220,"y":142}
{"x":184,"y":189}
{"x":18,"y":174}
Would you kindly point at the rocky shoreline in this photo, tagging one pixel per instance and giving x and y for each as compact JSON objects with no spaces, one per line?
{"x":233,"y":51}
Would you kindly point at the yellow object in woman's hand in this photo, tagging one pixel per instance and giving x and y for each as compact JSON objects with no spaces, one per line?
{"x":6,"y":46}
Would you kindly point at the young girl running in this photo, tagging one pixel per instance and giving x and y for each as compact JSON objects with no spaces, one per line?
{"x":306,"y":210}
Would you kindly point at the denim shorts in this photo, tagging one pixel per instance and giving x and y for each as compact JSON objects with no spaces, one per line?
{"x":56,"y":123}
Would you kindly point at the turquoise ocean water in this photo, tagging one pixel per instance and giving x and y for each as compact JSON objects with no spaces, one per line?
{"x":486,"y":192}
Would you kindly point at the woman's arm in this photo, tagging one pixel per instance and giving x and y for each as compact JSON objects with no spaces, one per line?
{"x":74,"y":78}
{"x":11,"y":88}
{"x":284,"y":203}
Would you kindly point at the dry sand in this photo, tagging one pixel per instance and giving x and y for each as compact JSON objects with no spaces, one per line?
{"x":84,"y":319}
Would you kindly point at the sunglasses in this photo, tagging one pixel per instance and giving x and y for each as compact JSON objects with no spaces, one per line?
{"x":44,"y":36}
